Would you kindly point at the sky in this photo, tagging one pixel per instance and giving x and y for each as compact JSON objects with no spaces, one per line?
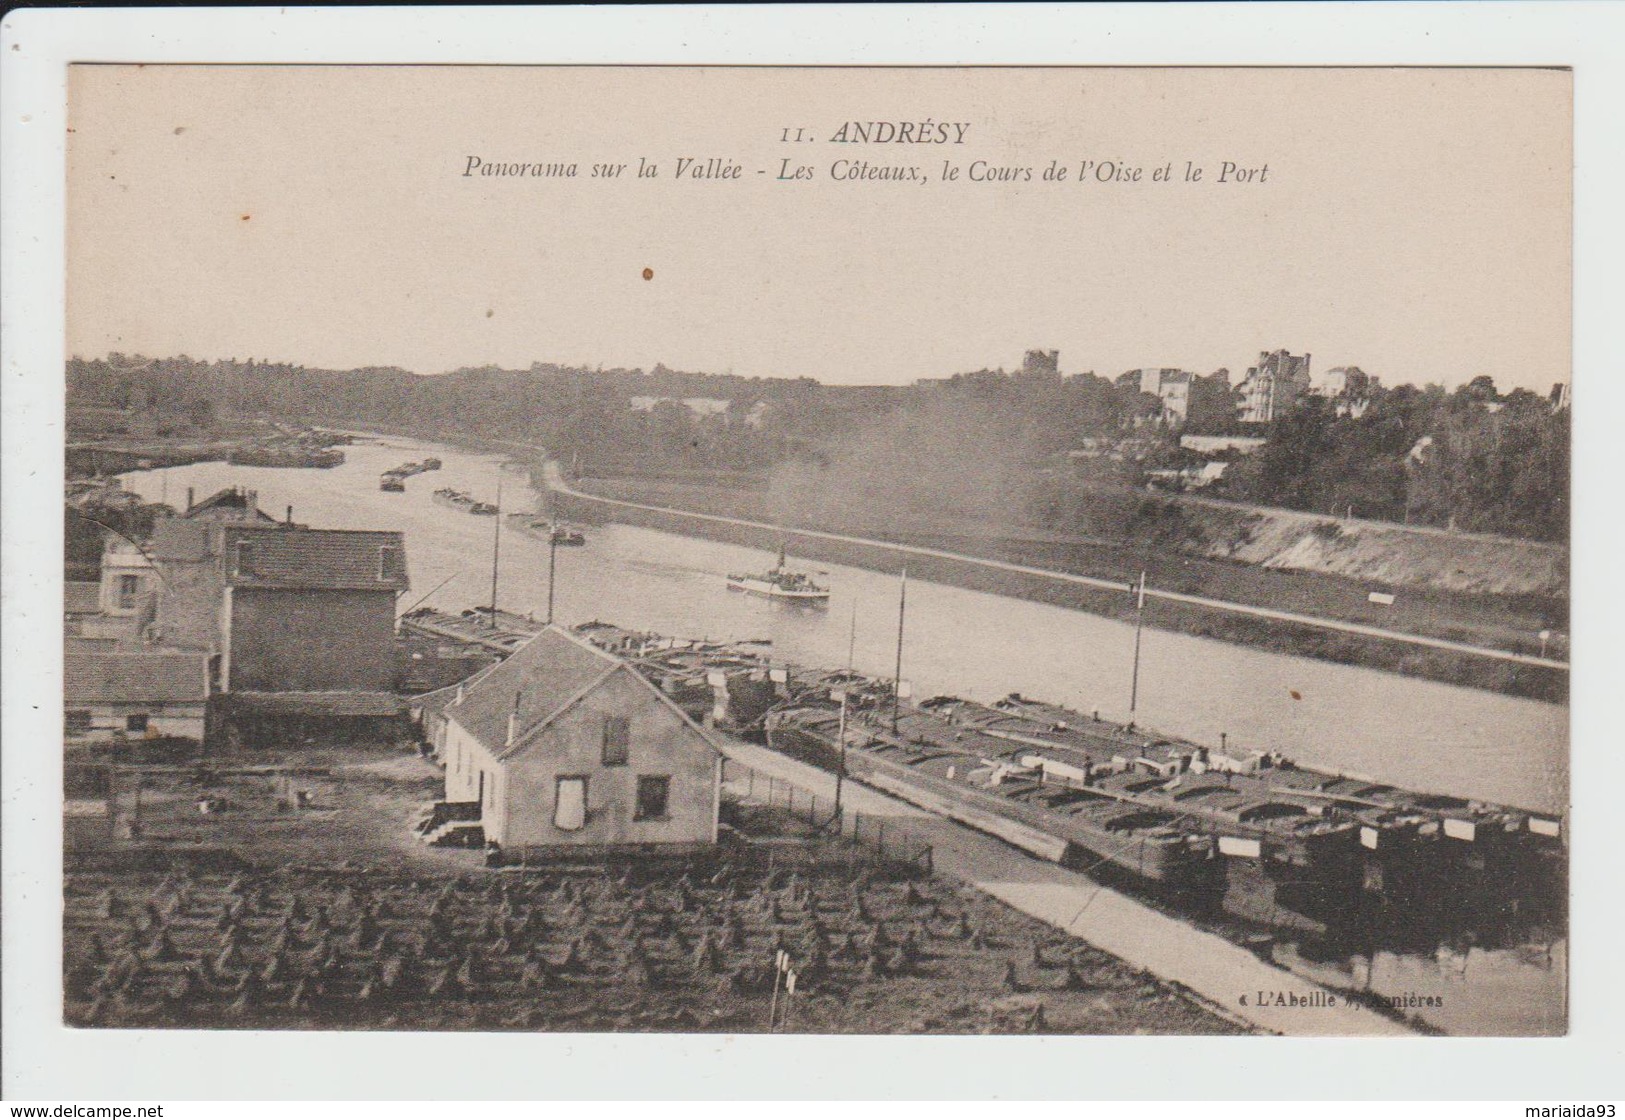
{"x":1416,"y":223}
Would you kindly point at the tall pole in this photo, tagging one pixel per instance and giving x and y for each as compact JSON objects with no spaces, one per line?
{"x":1139,"y":617}
{"x":897,"y":678}
{"x":552,"y":569}
{"x":840,"y":774}
{"x":496,"y":550}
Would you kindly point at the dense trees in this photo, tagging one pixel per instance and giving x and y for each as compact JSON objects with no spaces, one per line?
{"x":1473,"y":458}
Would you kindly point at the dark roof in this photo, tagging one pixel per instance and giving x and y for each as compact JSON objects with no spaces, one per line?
{"x":546,"y":675}
{"x":232,"y":502}
{"x":326,"y":559}
{"x":81,"y":597}
{"x":376,"y":704}
{"x":134,"y":678}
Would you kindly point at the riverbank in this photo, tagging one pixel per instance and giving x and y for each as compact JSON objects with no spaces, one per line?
{"x":1508,"y":623}
{"x":1170,"y":574}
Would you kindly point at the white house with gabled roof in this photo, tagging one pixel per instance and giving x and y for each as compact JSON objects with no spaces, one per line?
{"x":565,"y":745}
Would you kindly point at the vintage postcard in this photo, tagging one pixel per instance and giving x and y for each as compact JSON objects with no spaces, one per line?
{"x":839,"y":550}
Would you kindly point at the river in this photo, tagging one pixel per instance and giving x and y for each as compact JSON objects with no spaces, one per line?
{"x":1415,"y":733}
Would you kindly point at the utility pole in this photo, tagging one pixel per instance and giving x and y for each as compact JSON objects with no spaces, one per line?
{"x":496,"y":549}
{"x":840,"y":774}
{"x":1139,"y":617}
{"x":552,"y":569}
{"x":897,"y":679}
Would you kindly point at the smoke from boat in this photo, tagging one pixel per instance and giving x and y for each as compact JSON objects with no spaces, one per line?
{"x":932,"y":465}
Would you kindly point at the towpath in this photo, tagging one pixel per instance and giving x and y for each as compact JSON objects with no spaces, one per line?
{"x":555,"y":481}
{"x":1205,"y":963}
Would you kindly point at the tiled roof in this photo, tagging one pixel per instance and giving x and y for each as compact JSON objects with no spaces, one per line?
{"x":329,"y":559}
{"x":81,"y":597}
{"x":134,"y":678}
{"x":544,"y":675}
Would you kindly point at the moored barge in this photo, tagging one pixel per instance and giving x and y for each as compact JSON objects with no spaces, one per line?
{"x":1405,"y":832}
{"x":1075,"y":827}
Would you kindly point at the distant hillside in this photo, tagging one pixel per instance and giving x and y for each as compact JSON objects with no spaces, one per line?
{"x":974,"y":445}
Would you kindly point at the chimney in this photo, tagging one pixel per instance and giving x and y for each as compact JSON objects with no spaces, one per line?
{"x":513,"y":718}
{"x":459,"y":699}
{"x":189,"y":492}
{"x":290,"y":517}
{"x":251,"y":501}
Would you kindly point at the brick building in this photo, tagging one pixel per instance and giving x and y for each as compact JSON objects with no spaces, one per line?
{"x":279,"y":607}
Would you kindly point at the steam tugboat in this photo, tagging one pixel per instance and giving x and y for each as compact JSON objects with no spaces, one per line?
{"x":780,"y":582}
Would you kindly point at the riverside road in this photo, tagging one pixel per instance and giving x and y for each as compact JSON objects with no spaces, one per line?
{"x":555,"y":481}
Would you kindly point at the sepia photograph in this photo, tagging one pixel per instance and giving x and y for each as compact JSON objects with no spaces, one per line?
{"x":908,"y":552}
{"x":849,"y":550}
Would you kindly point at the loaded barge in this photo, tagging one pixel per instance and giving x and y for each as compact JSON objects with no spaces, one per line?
{"x":952,"y":775}
{"x":1285,"y":844}
{"x":1405,"y":833}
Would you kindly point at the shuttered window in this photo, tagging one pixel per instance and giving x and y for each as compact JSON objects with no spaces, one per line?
{"x":617,"y":740}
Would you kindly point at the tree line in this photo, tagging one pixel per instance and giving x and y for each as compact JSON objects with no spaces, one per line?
{"x":1472,"y":458}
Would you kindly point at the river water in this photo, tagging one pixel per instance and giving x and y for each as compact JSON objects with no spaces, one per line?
{"x":1415,"y":733}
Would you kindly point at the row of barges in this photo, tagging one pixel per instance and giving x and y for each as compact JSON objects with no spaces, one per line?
{"x":1098,"y":796}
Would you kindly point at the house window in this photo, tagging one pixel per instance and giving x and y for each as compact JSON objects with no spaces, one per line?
{"x":128,"y":586}
{"x":388,"y":561}
{"x":617,"y":740}
{"x":78,"y":721}
{"x":570,"y":804}
{"x":654,"y":796}
{"x":244,"y":559}
{"x":137,"y":722}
